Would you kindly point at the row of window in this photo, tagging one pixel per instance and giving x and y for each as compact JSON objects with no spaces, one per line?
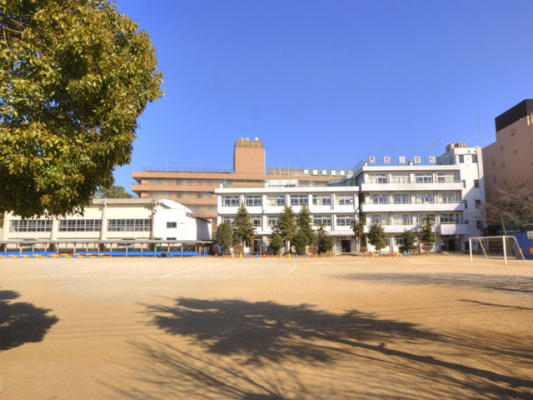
{"x":417,"y":198}
{"x":294,"y":200}
{"x":317,"y":220}
{"x":81,"y":225}
{"x":181,"y":195}
{"x":413,"y":219}
{"x":419,"y":177}
{"x":198,"y":182}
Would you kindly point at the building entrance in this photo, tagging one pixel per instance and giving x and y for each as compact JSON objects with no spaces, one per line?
{"x":346,"y":246}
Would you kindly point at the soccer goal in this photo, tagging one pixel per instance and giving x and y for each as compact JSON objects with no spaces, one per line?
{"x":495,"y":247}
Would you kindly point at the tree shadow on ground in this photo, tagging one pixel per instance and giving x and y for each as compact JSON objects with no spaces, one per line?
{"x":269,"y":331}
{"x":506,"y":283}
{"x":240,"y":343}
{"x":21,"y":322}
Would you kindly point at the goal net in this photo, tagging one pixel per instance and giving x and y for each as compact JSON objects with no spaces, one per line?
{"x":495,"y":247}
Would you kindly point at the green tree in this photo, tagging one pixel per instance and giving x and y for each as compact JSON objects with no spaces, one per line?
{"x":300,"y":242}
{"x":224,"y":237}
{"x":358,"y":228}
{"x":244,"y":228}
{"x":325,"y":242}
{"x":287,"y":226}
{"x":74,"y":77}
{"x":426,"y":236}
{"x":408,"y":239}
{"x":276,"y":243}
{"x":303,"y":227}
{"x":376,"y":236}
{"x":113,"y":192}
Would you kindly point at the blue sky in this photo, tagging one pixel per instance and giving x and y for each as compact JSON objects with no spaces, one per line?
{"x":326,"y":83}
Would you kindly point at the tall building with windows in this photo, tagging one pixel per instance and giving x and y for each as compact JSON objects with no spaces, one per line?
{"x":333,"y":207}
{"x":449,"y":191}
{"x":196,"y":189}
{"x":508,"y":162}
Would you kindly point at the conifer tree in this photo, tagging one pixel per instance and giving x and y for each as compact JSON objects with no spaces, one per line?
{"x":376,"y":236}
{"x":303,"y":221}
{"x":244,"y":228}
{"x":287,"y":226}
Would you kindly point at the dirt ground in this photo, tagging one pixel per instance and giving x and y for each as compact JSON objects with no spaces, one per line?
{"x":427,"y":327}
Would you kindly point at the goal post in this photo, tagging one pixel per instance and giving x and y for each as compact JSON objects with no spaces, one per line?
{"x":499,"y":246}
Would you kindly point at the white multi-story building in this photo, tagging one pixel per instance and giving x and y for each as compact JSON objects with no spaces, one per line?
{"x":332,"y":207}
{"x":112,"y":219}
{"x":449,"y":191}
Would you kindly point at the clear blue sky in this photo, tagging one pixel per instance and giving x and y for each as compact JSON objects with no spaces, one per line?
{"x":326,"y":83}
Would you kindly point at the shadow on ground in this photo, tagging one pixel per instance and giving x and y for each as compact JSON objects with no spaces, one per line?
{"x":268,"y":351}
{"x":21,"y":322}
{"x":506,"y":283}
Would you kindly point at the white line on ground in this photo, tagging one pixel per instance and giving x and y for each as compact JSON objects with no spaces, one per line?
{"x":291,"y":271}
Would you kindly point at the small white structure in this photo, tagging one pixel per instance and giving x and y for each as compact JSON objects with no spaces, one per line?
{"x":113,"y":219}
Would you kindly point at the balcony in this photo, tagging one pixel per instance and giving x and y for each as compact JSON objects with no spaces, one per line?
{"x":400,"y":187}
{"x":412,"y":207}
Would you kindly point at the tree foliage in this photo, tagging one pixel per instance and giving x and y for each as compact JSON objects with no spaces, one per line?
{"x":113,"y":192}
{"x":376,"y":236}
{"x":303,"y":228}
{"x":287,"y":224}
{"x":325,"y":242}
{"x":426,"y":236}
{"x":74,"y":77}
{"x":276,"y":243}
{"x":224,"y":237}
{"x":513,"y":208}
{"x":244,"y":228}
{"x":409,"y":239}
{"x":358,"y":228}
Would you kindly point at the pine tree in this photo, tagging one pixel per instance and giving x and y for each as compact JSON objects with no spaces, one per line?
{"x":427,"y":238}
{"x":376,"y":236}
{"x":325,"y":242}
{"x":244,"y":228}
{"x":224,"y":237}
{"x":287,"y":226}
{"x":304,"y":228}
{"x":408,"y":239}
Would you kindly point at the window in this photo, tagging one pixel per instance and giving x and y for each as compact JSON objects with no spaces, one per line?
{"x":448,"y":198}
{"x":345,"y":220}
{"x":476,"y":183}
{"x":421,"y":218}
{"x":474,"y":158}
{"x":423,"y":198}
{"x":446,"y":177}
{"x":321,"y":199}
{"x":382,"y":178}
{"x":404,"y":219}
{"x":398,"y":240}
{"x":172,"y":224}
{"x":228,"y":220}
{"x":324,"y":172}
{"x":306,"y":172}
{"x":344,"y":199}
{"x":80,"y":225}
{"x":478,"y":204}
{"x":256,"y":221}
{"x":254,"y":201}
{"x":379,"y":199}
{"x":449,"y":218}
{"x":276,"y":201}
{"x":129,"y":225}
{"x":322,"y":220}
{"x":424,"y":177}
{"x":399,"y":178}
{"x":379,"y":219}
{"x":273,"y":221}
{"x":31,"y":225}
{"x":402,"y":198}
{"x":230,"y":201}
{"x":461,"y":159}
{"x":299,"y":199}
{"x":479,"y":224}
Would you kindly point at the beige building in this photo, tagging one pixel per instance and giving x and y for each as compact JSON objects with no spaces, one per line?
{"x":508,"y":162}
{"x":196,"y":189}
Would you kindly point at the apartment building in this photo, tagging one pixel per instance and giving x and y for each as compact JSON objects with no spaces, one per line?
{"x":196,"y":189}
{"x":508,"y":162}
{"x":449,"y":191}
{"x":332,"y":207}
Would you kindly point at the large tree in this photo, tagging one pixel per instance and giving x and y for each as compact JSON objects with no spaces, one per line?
{"x":425,"y":235}
{"x":287,"y":226}
{"x":512,"y":209}
{"x":224,"y":237}
{"x":376,"y":237}
{"x":303,"y":227}
{"x":74,"y":77}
